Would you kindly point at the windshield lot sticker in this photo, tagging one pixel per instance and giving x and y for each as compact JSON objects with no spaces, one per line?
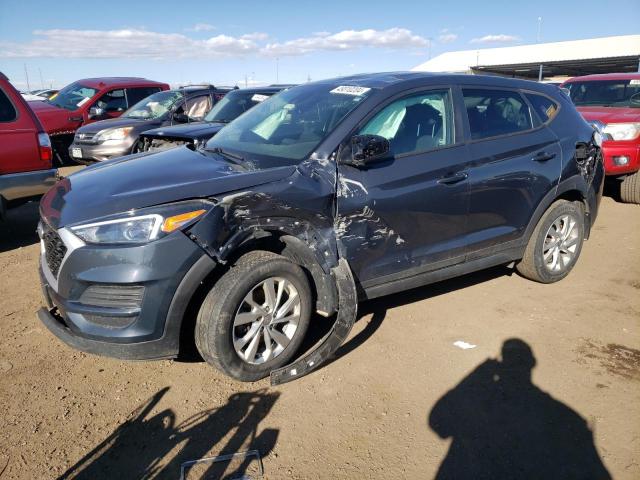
{"x":347,"y":90}
{"x":259,"y":97}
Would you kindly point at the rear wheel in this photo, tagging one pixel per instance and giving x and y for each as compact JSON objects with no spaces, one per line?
{"x":555,"y":244}
{"x":630,"y":189}
{"x":255,"y":317}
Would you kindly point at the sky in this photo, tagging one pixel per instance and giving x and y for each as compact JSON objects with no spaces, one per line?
{"x":278,"y":41}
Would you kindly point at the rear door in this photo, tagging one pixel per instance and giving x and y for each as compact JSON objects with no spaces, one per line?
{"x":515,"y":161}
{"x":19,"y":150}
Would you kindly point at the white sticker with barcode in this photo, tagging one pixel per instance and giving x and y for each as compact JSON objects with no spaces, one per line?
{"x":258,"y":97}
{"x":349,"y":90}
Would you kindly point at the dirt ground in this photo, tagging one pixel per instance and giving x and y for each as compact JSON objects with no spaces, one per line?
{"x":400,"y":401}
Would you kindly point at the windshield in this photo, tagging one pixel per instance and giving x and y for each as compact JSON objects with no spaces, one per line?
{"x":234,"y":104}
{"x":287,"y":127}
{"x":605,"y":93}
{"x":73,"y":96}
{"x":154,"y":106}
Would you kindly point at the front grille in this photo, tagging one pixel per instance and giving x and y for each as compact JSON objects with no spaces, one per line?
{"x":114,"y":296}
{"x":54,"y":249}
{"x":86,"y":138}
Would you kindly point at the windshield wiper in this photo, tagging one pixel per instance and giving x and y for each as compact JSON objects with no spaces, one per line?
{"x":232,"y":156}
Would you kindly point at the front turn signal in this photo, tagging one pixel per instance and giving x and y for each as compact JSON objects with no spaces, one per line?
{"x":173,"y":223}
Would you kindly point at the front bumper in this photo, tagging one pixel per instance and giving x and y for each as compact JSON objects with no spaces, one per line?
{"x":168,"y":271}
{"x":612,"y":149}
{"x":98,"y":152}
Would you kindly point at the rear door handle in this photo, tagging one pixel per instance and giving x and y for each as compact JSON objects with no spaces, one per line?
{"x":455,"y":178}
{"x":543,"y":156}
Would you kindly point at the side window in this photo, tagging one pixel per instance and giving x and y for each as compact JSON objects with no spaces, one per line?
{"x":197,"y":107}
{"x":113,"y":101}
{"x":134,"y":95}
{"x":415,"y":123}
{"x":543,"y":106}
{"x":7,"y":110}
{"x":495,"y":112}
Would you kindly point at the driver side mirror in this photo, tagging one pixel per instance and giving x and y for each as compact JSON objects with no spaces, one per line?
{"x":366,"y":149}
{"x":95,"y":112}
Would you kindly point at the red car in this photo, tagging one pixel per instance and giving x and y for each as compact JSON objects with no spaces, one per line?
{"x":87,"y":101}
{"x":611,"y":102}
{"x":25,"y":150}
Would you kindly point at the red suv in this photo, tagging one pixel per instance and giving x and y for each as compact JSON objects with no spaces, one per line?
{"x":611,"y":103}
{"x":25,"y":150}
{"x":87,"y":101}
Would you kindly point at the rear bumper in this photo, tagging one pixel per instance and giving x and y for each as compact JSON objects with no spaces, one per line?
{"x":612,"y":150}
{"x":14,"y":186}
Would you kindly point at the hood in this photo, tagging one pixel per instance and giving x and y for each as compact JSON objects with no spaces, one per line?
{"x":96,"y":127}
{"x":610,"y":114}
{"x":196,"y":130}
{"x":55,"y":119}
{"x":145,"y":180}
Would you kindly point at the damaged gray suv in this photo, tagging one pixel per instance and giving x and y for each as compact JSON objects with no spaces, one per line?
{"x":323,"y":196}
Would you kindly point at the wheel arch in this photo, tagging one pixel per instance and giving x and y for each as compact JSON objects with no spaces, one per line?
{"x":570,"y":190}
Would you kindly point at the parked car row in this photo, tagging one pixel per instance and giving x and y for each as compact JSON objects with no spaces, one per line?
{"x":115,"y":137}
{"x":312,"y":200}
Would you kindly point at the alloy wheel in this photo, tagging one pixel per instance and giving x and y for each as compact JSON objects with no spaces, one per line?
{"x":560,"y":243}
{"x":266,"y":320}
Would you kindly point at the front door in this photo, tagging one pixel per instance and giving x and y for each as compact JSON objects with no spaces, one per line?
{"x":407,"y":214}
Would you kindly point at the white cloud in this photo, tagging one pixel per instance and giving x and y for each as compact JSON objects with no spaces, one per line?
{"x":125,"y":44}
{"x":500,"y":38}
{"x":201,"y":27}
{"x":256,"y":36}
{"x":393,"y":38}
{"x":144,"y":44}
{"x":447,"y":37}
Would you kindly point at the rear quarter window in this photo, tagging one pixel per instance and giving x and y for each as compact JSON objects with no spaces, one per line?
{"x":544,"y":107}
{"x":8,"y":112}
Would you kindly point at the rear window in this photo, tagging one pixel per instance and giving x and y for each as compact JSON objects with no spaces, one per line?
{"x":495,"y":112}
{"x":543,"y":106}
{"x":8,"y":112}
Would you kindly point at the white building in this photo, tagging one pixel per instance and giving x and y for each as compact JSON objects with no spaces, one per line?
{"x":573,"y":58}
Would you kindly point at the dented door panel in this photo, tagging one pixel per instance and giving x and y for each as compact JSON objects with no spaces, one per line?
{"x":396,"y":218}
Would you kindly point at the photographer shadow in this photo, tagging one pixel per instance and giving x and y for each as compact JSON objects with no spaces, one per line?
{"x":503,"y":426}
{"x":141,"y":446}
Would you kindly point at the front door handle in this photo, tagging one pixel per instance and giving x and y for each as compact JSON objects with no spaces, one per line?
{"x":452,"y":179}
{"x":543,"y":156}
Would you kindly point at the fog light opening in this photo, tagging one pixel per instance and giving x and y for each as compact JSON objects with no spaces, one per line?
{"x":621,"y":160}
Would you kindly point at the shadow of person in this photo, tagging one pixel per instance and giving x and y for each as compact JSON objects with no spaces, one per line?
{"x":139,"y":448}
{"x":503,"y":426}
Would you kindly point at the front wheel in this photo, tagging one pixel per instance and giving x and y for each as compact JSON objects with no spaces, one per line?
{"x":255,"y":317}
{"x":555,"y":244}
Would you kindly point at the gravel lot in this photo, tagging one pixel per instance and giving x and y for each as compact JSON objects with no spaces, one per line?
{"x":400,"y":401}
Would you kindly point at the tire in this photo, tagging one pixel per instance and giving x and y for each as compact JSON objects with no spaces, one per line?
{"x":630,"y":189}
{"x":226,"y":304}
{"x":547,"y":265}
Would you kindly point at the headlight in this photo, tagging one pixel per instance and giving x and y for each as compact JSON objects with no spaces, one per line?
{"x":143,"y":226}
{"x":623,"y":131}
{"x":113,"y":134}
